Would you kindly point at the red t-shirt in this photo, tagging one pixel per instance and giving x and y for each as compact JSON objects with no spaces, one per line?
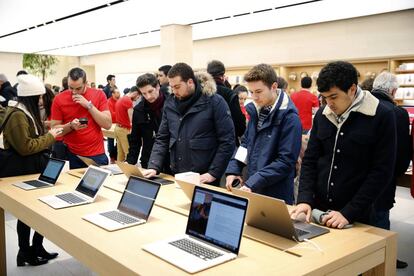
{"x":87,"y":141}
{"x":111,"y":105}
{"x":304,"y":102}
{"x":121,"y":110}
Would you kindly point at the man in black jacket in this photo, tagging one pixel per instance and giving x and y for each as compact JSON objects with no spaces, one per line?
{"x":384,"y":88}
{"x":163,"y":79}
{"x":7,"y":92}
{"x":110,"y":79}
{"x":351,"y":151}
{"x":196,"y":130}
{"x":217,"y":70}
{"x":146,"y":120}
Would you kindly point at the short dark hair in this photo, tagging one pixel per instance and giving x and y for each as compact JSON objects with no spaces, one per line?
{"x":21,"y":72}
{"x":165,"y":69}
{"x":239,"y":89}
{"x":109,"y":77}
{"x":183,"y":70}
{"x":306,"y":82}
{"x":147,"y":79}
{"x":262,"y":72}
{"x":341,"y":74}
{"x":367,"y":84}
{"x":100,"y":86}
{"x":65,"y":83}
{"x":281,"y":83}
{"x":77,"y":73}
{"x":216,"y":68}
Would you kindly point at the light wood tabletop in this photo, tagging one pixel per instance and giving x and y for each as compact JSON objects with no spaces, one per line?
{"x":344,"y":252}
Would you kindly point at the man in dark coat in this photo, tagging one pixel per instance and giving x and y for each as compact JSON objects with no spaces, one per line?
{"x":217,"y":70}
{"x":350,"y":156}
{"x":196,"y":128}
{"x":384,"y":88}
{"x":7,"y":92}
{"x":271,"y":142}
{"x":163,"y":78}
{"x":146,"y":120}
{"x":110,"y":79}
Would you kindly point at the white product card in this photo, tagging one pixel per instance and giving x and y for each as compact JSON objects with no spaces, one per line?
{"x":190,"y":177}
{"x":66,"y":167}
{"x":241,"y":155}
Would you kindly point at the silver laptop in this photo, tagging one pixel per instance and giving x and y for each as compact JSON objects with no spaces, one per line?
{"x":133,"y":209}
{"x":48,"y":177}
{"x":113,"y":168}
{"x":85,"y":192}
{"x":271,"y":214}
{"x":213,"y":234}
{"x":129,"y":170}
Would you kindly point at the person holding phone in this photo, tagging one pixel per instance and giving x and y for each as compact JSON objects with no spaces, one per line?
{"x":25,"y":134}
{"x":82,"y":111}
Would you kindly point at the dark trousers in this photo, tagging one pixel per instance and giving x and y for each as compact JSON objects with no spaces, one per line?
{"x":112,"y":148}
{"x":23,"y":234}
{"x":382,"y":219}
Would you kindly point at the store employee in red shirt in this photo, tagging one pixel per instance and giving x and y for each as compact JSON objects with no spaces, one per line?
{"x":81,"y":137}
{"x":123,"y":113}
{"x":115,"y":95}
{"x":306,"y":103}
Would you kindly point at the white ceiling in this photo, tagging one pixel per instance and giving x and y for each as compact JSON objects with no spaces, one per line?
{"x":135,"y":24}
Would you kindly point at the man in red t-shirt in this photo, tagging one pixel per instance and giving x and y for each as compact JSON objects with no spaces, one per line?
{"x":123,"y":113}
{"x":306,"y":103}
{"x":111,"y":104}
{"x":80,"y":101}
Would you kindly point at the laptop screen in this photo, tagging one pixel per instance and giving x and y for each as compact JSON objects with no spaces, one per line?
{"x":92,"y":181}
{"x":217,"y":218}
{"x":139,"y":197}
{"x":52,"y":170}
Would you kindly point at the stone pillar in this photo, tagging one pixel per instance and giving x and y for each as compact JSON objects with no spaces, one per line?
{"x":176,"y":44}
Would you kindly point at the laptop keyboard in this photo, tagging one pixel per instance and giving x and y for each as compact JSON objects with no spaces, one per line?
{"x":196,"y":249}
{"x":36,"y":183}
{"x":119,"y":217}
{"x":301,"y":232}
{"x":70,"y":198}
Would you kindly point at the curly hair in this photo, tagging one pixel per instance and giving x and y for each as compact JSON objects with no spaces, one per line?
{"x":341,"y":74}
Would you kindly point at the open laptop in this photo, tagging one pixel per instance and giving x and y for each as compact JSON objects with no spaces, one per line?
{"x":85,"y":192}
{"x":187,"y":187}
{"x":114,"y":169}
{"x":133,"y":209}
{"x":271,"y":214}
{"x":48,"y":177}
{"x":213,"y":234}
{"x":129,"y":170}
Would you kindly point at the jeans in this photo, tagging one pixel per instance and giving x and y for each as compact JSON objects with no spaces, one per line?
{"x":76,"y":163}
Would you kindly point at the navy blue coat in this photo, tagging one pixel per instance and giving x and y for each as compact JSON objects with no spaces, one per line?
{"x":272,"y":151}
{"x":200,"y":141}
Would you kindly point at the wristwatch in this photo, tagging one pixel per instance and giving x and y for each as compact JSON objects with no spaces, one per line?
{"x":90,"y":105}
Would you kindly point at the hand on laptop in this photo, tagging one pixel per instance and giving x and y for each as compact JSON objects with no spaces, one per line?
{"x":246,"y":189}
{"x":301,"y":208}
{"x":149,"y":173}
{"x":334,"y":219}
{"x":229,"y":181}
{"x":206,"y":178}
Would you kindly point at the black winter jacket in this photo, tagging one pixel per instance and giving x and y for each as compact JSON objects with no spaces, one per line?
{"x":8,"y":92}
{"x":346,"y":169}
{"x":145,"y":126}
{"x":232,"y":100}
{"x":404,"y":149}
{"x":200,"y":141}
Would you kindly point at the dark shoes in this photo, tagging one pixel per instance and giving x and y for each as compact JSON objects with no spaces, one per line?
{"x":34,"y":256}
{"x":42,"y":253}
{"x":401,"y":264}
{"x":29,"y":257}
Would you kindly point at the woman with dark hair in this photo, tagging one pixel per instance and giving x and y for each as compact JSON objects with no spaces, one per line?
{"x":25,"y":134}
{"x":242,"y":92}
{"x":45,"y":105}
